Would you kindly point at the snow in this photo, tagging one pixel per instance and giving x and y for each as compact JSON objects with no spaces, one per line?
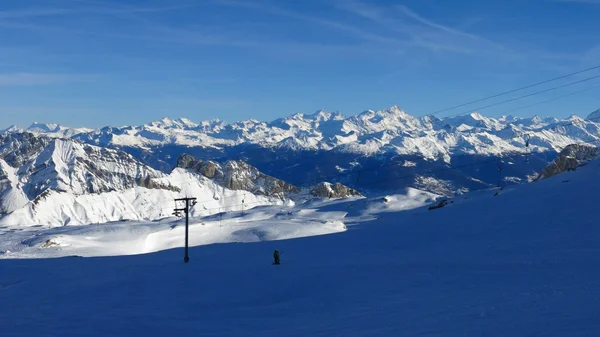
{"x":59,"y":182}
{"x":138,"y":203}
{"x":180,"y":123}
{"x":368,"y":133}
{"x":140,"y":237}
{"x":11,"y":128}
{"x":522,"y":263}
{"x":56,"y":130}
{"x":11,"y":196}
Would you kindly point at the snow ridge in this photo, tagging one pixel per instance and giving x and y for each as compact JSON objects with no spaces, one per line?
{"x":58,"y":182}
{"x":369,"y":133}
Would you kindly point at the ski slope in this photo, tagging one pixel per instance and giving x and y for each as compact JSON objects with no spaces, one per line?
{"x":523,"y":263}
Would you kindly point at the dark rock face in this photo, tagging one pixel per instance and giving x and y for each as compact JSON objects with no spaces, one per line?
{"x":209,"y":169}
{"x":569,"y":159}
{"x":149,"y":183}
{"x":19,"y":148}
{"x":239,"y":175}
{"x":337,"y":190}
{"x":187,"y":161}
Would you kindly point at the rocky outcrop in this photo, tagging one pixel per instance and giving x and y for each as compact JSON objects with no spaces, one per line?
{"x":239,"y":175}
{"x":209,"y":169}
{"x":18,"y":148}
{"x":149,"y":183}
{"x":187,"y":161}
{"x":337,"y":190}
{"x":569,"y":159}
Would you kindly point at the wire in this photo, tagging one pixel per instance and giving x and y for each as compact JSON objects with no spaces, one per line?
{"x":525,"y":96}
{"x":552,"y":99}
{"x":515,"y":90}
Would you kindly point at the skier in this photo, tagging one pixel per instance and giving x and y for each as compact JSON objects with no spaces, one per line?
{"x":276,"y":256}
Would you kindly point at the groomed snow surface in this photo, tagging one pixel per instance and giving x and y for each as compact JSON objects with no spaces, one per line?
{"x":525,"y":262}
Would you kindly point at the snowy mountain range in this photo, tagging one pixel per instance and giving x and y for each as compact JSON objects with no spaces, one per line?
{"x":370,"y":132}
{"x":304,"y":149}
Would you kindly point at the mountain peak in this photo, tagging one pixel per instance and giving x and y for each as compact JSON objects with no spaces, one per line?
{"x":11,"y":128}
{"x":476,"y":115}
{"x":536,"y":119}
{"x":42,"y":127}
{"x":575,"y":118}
{"x":188,"y":123}
{"x":395,"y":109}
{"x":323,"y":116}
{"x":169,"y":123}
{"x":594,"y":116}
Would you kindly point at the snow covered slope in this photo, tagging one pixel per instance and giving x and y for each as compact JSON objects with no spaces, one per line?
{"x":58,"y":182}
{"x":522,"y":263}
{"x":232,"y":224}
{"x":55,"y":208}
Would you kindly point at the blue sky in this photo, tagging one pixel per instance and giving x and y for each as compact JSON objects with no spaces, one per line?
{"x":108,"y":62}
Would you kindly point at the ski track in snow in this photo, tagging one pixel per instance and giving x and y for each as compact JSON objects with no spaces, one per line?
{"x":522,"y":263}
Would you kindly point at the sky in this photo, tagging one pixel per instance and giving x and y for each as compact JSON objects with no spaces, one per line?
{"x":106,"y":62}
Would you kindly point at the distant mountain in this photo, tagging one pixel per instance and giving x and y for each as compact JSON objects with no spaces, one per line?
{"x":11,"y":128}
{"x":594,"y":116}
{"x":368,"y":133}
{"x":373,"y":151}
{"x":55,"y":130}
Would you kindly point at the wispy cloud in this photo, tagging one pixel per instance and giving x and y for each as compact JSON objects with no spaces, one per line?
{"x":421,"y":31}
{"x":157,"y":31}
{"x":150,"y":30}
{"x":22,"y":13}
{"x":275,"y":10}
{"x":29,"y":79}
{"x":371,"y":36}
{"x":34,"y":12}
{"x":408,"y":12}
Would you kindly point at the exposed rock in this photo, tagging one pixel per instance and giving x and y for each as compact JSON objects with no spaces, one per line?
{"x":337,"y":190}
{"x":569,"y":159}
{"x":149,"y":183}
{"x":49,"y":243}
{"x":187,"y":161}
{"x":441,"y":204}
{"x":239,"y":175}
{"x":209,"y":169}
